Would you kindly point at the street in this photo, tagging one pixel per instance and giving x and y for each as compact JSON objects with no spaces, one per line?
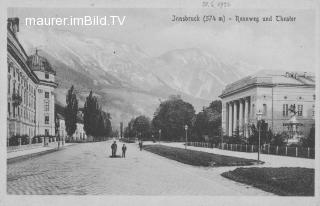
{"x":87,"y":169}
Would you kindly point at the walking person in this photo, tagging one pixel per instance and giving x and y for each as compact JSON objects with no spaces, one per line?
{"x":140,"y":145}
{"x":124,"y":149}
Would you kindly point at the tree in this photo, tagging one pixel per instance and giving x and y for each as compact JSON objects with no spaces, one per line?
{"x":171,"y":116}
{"x":71,"y":111}
{"x":91,"y":112}
{"x":208,"y":122}
{"x":129,"y":131}
{"x":96,"y":122}
{"x":310,"y":140}
{"x":266,"y":135}
{"x":142,"y":126}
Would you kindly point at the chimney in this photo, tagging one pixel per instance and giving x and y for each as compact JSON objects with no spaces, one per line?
{"x":13,"y":25}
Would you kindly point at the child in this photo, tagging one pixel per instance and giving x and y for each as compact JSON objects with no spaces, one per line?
{"x":124,"y":149}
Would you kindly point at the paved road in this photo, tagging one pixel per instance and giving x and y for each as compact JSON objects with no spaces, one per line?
{"x":87,"y":169}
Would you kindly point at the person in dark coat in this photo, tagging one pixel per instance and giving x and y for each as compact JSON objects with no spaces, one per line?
{"x":140,"y":145}
{"x":124,"y":149}
{"x":114,"y":149}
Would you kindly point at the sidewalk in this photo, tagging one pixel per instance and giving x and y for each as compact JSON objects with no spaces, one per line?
{"x":28,"y":153}
{"x":270,"y":160}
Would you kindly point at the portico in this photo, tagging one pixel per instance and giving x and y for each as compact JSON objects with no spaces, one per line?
{"x":271,"y":93}
{"x":238,"y":112}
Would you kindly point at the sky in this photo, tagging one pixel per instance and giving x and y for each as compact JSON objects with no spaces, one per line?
{"x":275,"y":45}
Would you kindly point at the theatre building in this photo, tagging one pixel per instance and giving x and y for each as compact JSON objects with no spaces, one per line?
{"x":30,"y":87}
{"x":272,"y":93}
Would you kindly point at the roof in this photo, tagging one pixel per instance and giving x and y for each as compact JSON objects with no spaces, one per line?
{"x":270,"y":78}
{"x":39,"y":63}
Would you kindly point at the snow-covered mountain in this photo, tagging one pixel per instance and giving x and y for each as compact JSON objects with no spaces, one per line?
{"x":128,"y":81}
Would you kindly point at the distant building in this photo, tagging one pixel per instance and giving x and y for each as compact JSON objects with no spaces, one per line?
{"x":78,"y":135}
{"x":31,"y":82}
{"x":272,"y":93}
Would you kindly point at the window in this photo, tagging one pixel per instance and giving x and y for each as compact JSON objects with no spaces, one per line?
{"x":46,"y":106}
{"x":46,"y":75}
{"x":9,"y":82}
{"x":46,"y":119}
{"x":46,"y":132}
{"x":46,"y":94}
{"x":285,"y":110}
{"x":300,"y":110}
{"x":265,"y":109}
{"x":313,"y":108}
{"x":9,"y":111}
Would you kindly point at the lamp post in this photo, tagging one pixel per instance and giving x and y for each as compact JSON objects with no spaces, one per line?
{"x":259,"y":117}
{"x":186,"y":129}
{"x":159,"y":135}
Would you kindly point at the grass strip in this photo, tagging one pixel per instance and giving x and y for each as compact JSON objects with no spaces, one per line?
{"x":198,"y":158}
{"x":284,"y":181}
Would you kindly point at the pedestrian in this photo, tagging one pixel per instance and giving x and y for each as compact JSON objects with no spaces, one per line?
{"x":124,"y":149}
{"x":114,"y":149}
{"x":140,"y":145}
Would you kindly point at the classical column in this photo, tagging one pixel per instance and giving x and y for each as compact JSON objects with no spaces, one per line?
{"x":230,"y":120}
{"x":240,"y":117}
{"x":235,"y":112}
{"x":246,"y":116}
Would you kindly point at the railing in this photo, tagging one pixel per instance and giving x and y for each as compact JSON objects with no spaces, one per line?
{"x":23,"y":147}
{"x":304,"y":152}
{"x":46,"y":143}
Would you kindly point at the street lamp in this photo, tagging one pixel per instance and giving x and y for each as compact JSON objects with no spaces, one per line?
{"x":159,"y":135}
{"x":259,"y":117}
{"x":186,"y":129}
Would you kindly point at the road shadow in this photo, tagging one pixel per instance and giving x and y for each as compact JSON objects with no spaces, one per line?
{"x":117,"y":156}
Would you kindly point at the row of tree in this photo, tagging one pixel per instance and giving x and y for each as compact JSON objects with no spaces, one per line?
{"x":170,"y":120}
{"x":173,"y":114}
{"x":96,"y":121}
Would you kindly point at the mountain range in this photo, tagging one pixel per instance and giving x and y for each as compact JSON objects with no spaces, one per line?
{"x":128,"y":81}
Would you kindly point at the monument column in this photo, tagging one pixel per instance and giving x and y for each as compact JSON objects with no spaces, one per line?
{"x":246,"y":116}
{"x":230,"y":119}
{"x":240,"y":117}
{"x":235,"y":112}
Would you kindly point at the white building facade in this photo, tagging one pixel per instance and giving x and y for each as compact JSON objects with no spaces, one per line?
{"x":45,"y":96}
{"x":272,"y":93}
{"x":78,"y":135}
{"x":30,"y":80}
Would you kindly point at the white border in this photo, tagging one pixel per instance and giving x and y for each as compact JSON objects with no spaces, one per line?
{"x":148,"y":200}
